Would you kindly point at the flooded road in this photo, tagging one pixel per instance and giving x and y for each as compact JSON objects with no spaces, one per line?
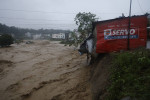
{"x":43,"y":70}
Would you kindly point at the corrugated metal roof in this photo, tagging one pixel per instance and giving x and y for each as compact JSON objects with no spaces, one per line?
{"x":99,"y":22}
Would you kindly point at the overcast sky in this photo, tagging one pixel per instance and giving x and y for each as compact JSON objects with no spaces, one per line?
{"x":60,"y":14}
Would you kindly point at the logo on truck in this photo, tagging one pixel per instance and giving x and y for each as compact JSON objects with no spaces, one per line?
{"x":120,"y":34}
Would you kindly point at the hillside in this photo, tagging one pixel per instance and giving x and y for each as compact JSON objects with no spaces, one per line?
{"x":122,"y":75}
{"x":20,"y":32}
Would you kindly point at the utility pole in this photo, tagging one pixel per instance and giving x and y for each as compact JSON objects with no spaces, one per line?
{"x":128,"y":43}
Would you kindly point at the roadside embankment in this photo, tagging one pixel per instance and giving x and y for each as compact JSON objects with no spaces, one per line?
{"x":122,"y":75}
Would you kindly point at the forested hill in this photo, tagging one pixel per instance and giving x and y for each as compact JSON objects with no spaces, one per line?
{"x":20,"y":32}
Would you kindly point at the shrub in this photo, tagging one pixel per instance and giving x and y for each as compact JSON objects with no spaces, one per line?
{"x":130,"y":76}
{"x":6,"y":40}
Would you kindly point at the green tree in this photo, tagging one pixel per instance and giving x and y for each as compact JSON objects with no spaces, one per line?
{"x":6,"y":40}
{"x":84,"y":22}
{"x":74,"y":39}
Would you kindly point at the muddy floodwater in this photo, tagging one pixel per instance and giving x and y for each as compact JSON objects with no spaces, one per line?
{"x":43,"y":70}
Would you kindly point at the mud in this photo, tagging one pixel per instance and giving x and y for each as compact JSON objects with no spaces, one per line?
{"x":100,"y":73}
{"x":43,"y":70}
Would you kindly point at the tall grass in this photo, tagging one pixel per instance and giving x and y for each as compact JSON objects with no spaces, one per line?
{"x":130,"y":76}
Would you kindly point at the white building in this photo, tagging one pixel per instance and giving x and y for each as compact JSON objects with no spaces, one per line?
{"x":28,"y":34}
{"x":58,"y":36}
{"x":37,"y":36}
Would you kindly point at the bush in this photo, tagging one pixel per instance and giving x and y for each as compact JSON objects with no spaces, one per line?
{"x":69,"y":42}
{"x":18,"y":41}
{"x":6,"y":40}
{"x":130,"y":76}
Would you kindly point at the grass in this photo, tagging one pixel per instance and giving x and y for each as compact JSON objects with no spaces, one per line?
{"x":130,"y":76}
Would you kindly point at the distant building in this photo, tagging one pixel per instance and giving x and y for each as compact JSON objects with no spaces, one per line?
{"x":28,"y":34}
{"x":69,"y":35}
{"x":58,"y":36}
{"x":37,"y":36}
{"x":46,"y":35}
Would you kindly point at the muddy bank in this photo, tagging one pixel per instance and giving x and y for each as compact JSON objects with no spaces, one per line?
{"x":99,"y":76}
{"x":43,"y":70}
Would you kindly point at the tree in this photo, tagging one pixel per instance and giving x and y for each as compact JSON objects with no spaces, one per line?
{"x":19,"y":33}
{"x":74,"y":39}
{"x":6,"y":40}
{"x":84,"y":22}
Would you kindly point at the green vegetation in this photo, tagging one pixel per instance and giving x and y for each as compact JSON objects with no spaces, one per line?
{"x":19,"y":33}
{"x":18,"y":41}
{"x":65,"y":42}
{"x":6,"y":40}
{"x":84,"y":22}
{"x":130,"y":76}
{"x":71,"y":41}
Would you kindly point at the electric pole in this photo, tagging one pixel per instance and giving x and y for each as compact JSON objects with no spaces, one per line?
{"x":128,"y":43}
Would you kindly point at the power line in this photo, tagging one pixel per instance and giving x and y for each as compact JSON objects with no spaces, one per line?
{"x":43,"y":25}
{"x":32,"y":19}
{"x":54,"y":24}
{"x":47,"y":24}
{"x":140,"y":6}
{"x":36,"y":11}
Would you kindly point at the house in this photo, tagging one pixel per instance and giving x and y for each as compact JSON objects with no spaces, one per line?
{"x":28,"y":34}
{"x":37,"y":36}
{"x":58,"y":36}
{"x":112,"y":35}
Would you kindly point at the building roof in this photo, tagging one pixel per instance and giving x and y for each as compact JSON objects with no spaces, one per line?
{"x":100,"y":22}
